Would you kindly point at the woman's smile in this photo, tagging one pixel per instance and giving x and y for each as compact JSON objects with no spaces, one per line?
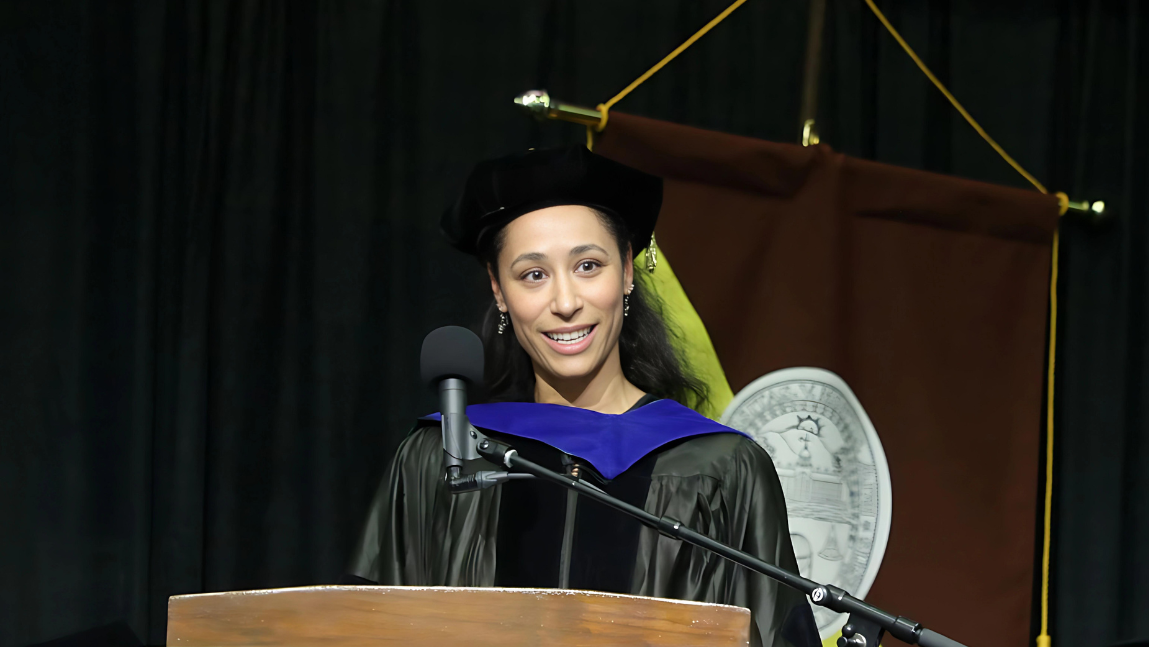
{"x":570,"y":340}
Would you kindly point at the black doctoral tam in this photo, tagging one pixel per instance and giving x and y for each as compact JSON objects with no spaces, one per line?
{"x":498,"y":191}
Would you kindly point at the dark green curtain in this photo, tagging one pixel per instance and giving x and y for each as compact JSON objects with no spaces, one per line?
{"x":219,"y":253}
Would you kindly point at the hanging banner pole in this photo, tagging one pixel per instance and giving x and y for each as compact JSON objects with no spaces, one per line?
{"x":540,"y":105}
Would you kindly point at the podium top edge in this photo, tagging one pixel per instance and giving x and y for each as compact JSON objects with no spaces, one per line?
{"x":459,"y":589}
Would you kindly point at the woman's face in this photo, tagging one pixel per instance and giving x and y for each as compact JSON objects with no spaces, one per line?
{"x":561,"y":282}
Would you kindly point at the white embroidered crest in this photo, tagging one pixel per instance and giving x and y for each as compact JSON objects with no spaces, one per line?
{"x":833,"y":471}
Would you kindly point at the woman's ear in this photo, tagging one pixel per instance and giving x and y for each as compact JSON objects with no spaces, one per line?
{"x":496,"y":289}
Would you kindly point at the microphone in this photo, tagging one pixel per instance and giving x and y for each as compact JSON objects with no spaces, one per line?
{"x":452,"y":358}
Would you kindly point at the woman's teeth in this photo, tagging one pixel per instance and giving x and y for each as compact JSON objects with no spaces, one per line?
{"x":569,"y":337}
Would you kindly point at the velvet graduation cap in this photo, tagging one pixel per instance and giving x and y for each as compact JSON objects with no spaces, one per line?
{"x":610,"y":442}
{"x":500,"y":190}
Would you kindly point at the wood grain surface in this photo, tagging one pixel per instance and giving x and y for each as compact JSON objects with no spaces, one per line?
{"x":359,"y":616}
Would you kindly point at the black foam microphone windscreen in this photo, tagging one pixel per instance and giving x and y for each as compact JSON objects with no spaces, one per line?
{"x":451,"y":351}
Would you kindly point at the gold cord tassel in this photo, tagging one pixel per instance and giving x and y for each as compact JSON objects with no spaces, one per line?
{"x":651,"y":255}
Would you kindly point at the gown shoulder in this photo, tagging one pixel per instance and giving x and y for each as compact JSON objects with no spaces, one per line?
{"x":720,"y":456}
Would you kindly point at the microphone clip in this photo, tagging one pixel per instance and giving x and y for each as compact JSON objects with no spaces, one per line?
{"x":474,"y":442}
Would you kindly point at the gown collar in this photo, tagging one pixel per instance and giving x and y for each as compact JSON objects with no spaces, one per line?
{"x":611,"y":443}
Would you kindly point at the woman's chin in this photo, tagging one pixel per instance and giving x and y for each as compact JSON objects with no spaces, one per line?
{"x":567,"y":367}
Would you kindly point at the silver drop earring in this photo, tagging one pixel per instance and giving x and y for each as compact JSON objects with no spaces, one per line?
{"x":625,"y":304}
{"x":502,"y":322}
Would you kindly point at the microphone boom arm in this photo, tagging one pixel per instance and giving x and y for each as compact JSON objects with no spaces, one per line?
{"x":866,"y":624}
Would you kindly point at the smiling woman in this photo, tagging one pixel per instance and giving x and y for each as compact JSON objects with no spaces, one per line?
{"x":583,"y":379}
{"x":563,"y":281}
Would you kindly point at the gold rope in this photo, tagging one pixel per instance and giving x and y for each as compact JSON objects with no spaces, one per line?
{"x":972,"y":122}
{"x":1043,"y":640}
{"x":604,"y":108}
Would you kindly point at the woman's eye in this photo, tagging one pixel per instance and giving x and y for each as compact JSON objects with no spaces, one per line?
{"x":587,"y":266}
{"x":533,"y":275}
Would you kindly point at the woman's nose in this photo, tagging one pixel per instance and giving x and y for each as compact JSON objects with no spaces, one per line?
{"x":566,"y":303}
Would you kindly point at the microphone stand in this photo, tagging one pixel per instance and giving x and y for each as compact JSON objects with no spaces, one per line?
{"x":865,"y":626}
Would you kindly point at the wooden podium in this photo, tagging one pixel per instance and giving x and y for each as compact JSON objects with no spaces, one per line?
{"x":362,"y":616}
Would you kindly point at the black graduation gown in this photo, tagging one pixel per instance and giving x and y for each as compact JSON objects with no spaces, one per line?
{"x":535,"y":534}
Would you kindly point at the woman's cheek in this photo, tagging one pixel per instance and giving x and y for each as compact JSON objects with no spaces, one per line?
{"x":608,"y":297}
{"x":530,"y":306}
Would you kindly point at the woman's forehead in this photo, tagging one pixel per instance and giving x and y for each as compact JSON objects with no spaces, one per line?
{"x":555,"y":229}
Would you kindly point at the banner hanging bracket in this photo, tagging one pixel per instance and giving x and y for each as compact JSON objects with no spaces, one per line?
{"x":540,"y":105}
{"x":1094,"y":211}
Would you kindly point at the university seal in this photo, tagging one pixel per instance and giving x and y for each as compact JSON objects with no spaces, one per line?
{"x":833,"y":472}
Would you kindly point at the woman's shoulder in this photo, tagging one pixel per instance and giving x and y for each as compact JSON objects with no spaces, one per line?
{"x":719,"y":455}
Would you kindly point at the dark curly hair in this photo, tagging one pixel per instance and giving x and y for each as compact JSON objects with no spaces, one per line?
{"x":648,"y":358}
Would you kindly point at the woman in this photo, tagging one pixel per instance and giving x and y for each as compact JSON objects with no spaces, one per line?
{"x":584,"y":380}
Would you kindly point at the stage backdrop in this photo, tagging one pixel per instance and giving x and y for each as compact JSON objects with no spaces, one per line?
{"x":927,"y":294}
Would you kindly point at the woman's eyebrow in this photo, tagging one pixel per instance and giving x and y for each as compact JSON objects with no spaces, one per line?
{"x":530,"y":256}
{"x":582,"y":249}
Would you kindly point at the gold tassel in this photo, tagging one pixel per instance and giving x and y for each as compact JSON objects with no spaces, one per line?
{"x":651,"y":255}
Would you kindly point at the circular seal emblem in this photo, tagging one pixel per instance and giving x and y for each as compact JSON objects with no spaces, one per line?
{"x":833,"y":471}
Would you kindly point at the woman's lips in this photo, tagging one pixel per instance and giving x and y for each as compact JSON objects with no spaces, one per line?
{"x":570,"y":348}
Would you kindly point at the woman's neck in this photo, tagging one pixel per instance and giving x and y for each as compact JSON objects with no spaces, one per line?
{"x":605,"y":391}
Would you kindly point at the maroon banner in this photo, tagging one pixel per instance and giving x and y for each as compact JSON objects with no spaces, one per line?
{"x":928,"y":294}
